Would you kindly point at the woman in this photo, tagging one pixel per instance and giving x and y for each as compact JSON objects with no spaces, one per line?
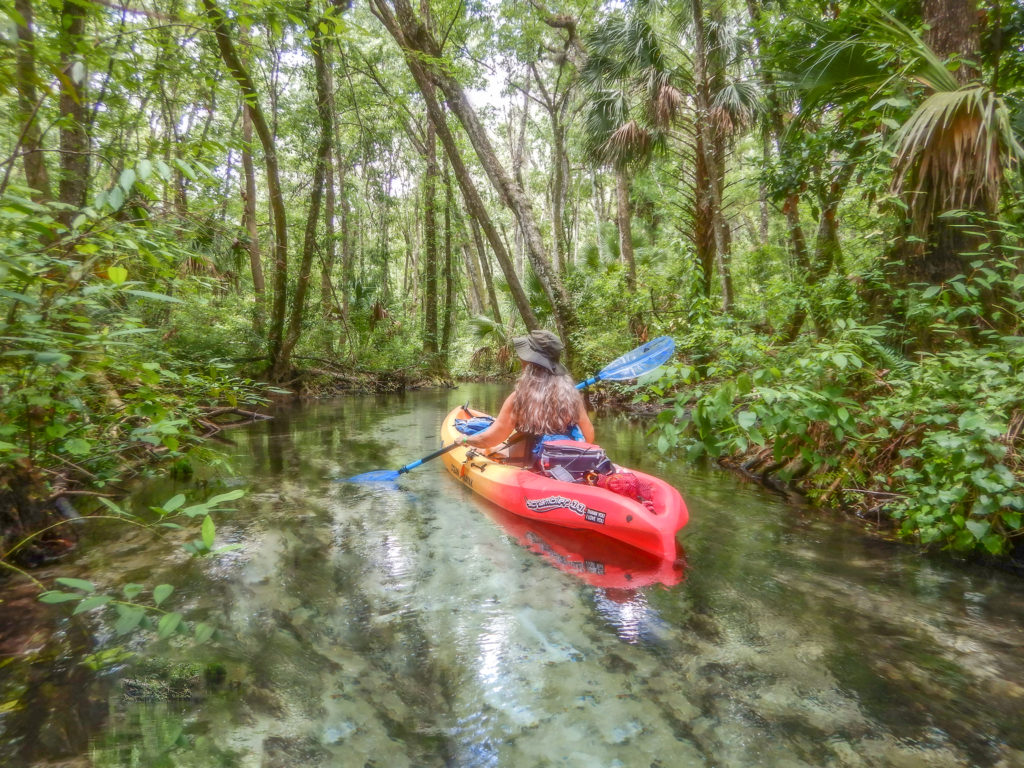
{"x":545,"y":404}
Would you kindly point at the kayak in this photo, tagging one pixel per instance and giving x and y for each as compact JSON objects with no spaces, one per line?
{"x":499,"y":478}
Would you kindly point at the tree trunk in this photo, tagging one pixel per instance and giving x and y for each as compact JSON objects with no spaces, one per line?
{"x":449,"y":277}
{"x":953,"y":33}
{"x":476,"y":301}
{"x":411,"y":34}
{"x":326,"y":115}
{"x":485,"y":267}
{"x":559,"y":185}
{"x":249,"y":208}
{"x":723,"y":237}
{"x":249,"y":215}
{"x":952,"y":30}
{"x":707,"y":201}
{"x":791,"y":208}
{"x":36,"y":174}
{"x":327,"y":301}
{"x":346,"y":245}
{"x":703,"y":218}
{"x":278,"y":220}
{"x":328,"y":296}
{"x":430,"y":345}
{"x":555,"y":104}
{"x":625,"y":215}
{"x":74,"y":139}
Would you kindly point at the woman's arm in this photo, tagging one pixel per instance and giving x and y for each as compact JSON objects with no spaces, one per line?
{"x":583,"y":422}
{"x":498,"y":431}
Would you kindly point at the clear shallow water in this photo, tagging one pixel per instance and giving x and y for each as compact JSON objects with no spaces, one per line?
{"x":416,"y":627}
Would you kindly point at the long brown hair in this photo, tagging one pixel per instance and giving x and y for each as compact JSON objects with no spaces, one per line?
{"x":545,"y":403}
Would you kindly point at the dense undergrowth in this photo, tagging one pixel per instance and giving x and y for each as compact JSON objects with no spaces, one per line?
{"x":91,"y":395}
{"x":930,"y":439}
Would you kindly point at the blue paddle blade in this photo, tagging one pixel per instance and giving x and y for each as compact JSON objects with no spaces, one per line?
{"x":639,"y":361}
{"x":377,"y":476}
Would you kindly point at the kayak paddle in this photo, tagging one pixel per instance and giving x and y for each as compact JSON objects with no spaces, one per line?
{"x":639,"y":361}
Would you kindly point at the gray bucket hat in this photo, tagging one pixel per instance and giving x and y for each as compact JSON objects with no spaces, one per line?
{"x":542,"y":348}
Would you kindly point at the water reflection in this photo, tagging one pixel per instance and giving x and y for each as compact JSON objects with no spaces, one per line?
{"x":597,"y":560}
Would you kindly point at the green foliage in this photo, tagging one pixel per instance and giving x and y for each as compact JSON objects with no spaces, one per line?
{"x":86,"y":387}
{"x":939,"y":438}
{"x":137,"y":607}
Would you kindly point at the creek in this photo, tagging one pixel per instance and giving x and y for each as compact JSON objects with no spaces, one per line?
{"x":418,"y":626}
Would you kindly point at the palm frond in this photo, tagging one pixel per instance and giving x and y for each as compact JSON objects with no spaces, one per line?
{"x":953,"y":151}
{"x":629,"y":144}
{"x":485,"y":329}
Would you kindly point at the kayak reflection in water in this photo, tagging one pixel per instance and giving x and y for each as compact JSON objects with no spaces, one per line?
{"x":545,"y":404}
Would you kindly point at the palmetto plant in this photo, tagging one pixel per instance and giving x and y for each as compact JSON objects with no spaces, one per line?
{"x":953,"y":150}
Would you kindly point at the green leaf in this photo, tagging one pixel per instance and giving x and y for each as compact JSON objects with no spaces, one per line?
{"x":978,"y":528}
{"x":117,"y":275}
{"x":185,"y":168}
{"x":56,"y":596}
{"x":92,"y":602}
{"x":144,"y":169}
{"x":167,"y":624}
{"x":154,"y":296}
{"x":129,"y":619}
{"x":161,"y":592}
{"x":132,"y":590}
{"x":82,"y":584}
{"x":993,"y":543}
{"x":19,"y":297}
{"x":113,"y":507}
{"x":127,"y":180}
{"x":746,"y":419}
{"x":175,"y":502}
{"x":46,"y":358}
{"x":76,"y":446}
{"x":203,"y":632}
{"x":229,"y":496}
{"x":208,"y":531}
{"x":115,"y":198}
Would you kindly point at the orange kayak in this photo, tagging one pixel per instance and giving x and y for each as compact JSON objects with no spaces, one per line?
{"x":497,"y":478}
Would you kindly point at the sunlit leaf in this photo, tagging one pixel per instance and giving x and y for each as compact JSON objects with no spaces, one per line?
{"x":92,"y":602}
{"x":174,"y":502}
{"x":161,"y":592}
{"x":229,"y":496}
{"x":82,"y":584}
{"x":167,"y":624}
{"x":55,"y":596}
{"x":208,"y":531}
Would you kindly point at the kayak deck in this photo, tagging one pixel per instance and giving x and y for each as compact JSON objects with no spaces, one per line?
{"x":572,"y":505}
